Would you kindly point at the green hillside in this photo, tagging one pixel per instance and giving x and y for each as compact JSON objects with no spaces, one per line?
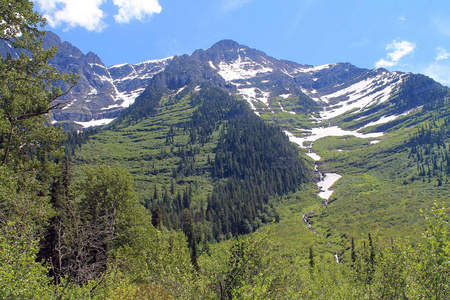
{"x":205,"y":152}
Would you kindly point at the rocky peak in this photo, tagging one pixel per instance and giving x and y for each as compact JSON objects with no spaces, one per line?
{"x":93,"y":58}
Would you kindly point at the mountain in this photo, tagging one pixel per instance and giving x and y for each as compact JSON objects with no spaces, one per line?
{"x":102,"y":92}
{"x":327,"y":92}
{"x":208,"y":132}
{"x":339,"y":97}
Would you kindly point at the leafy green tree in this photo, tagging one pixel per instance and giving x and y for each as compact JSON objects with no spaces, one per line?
{"x":248,"y":267}
{"x":109,"y":202}
{"x":28,"y":88}
{"x":21,"y":276}
{"x":431,"y":258}
{"x":28,"y":147}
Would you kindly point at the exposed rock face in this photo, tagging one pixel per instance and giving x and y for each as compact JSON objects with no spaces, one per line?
{"x":101,"y":92}
{"x":104,"y":92}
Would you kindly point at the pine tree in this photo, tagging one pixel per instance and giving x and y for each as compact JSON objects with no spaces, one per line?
{"x":353,"y":254}
{"x":157,"y":217}
{"x":311,"y":259}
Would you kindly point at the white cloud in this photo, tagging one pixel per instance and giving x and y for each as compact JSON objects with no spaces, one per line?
{"x":88,"y":13}
{"x":402,"y":18}
{"x":136,"y":9}
{"x":399,"y":50}
{"x":83,"y":13}
{"x":382,"y":63}
{"x":442,"y":53}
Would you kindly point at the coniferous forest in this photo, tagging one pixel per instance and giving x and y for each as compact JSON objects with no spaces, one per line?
{"x":190,"y":195}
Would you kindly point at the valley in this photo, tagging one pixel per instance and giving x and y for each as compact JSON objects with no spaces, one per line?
{"x":351,"y":124}
{"x":225,"y":173}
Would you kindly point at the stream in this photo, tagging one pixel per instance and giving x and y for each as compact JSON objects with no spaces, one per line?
{"x":327,"y":180}
{"x":324,"y":187}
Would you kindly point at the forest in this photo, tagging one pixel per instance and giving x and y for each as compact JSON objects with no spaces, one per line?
{"x":82,"y":231}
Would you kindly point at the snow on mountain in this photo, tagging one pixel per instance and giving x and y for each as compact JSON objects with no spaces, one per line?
{"x":339,"y":88}
{"x":368,"y":92}
{"x":241,"y":68}
{"x":94,"y":123}
{"x":312,"y":69}
{"x":321,"y":132}
{"x":131,"y":80}
{"x":329,"y":179}
{"x":254,"y":95}
{"x":127,"y":82}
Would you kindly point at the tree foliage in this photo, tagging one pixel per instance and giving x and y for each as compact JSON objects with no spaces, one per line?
{"x":28,"y":87}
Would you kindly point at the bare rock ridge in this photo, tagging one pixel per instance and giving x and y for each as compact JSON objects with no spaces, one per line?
{"x":340,"y":88}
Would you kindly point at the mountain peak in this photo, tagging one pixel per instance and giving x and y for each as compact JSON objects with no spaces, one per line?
{"x":226,"y":45}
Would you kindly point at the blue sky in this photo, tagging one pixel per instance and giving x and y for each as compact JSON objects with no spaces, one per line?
{"x":409,"y":36}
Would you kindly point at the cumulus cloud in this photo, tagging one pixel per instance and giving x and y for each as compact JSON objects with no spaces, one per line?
{"x":136,"y":9}
{"x":83,"y":13}
{"x":442,"y":53}
{"x":382,"y":63}
{"x":398,"y":50}
{"x":90,"y":15}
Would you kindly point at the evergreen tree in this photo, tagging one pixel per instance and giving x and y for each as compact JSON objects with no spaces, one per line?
{"x":311,"y":259}
{"x":28,"y":88}
{"x":353,"y":254}
{"x":157,"y":217}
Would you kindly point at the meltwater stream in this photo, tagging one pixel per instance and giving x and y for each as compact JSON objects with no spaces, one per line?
{"x":327,"y":180}
{"x":325,"y":183}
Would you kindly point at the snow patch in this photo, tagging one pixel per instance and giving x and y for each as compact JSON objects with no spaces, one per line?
{"x":255,"y":94}
{"x":155,"y":61}
{"x":309,"y":94}
{"x":313,"y":69}
{"x":241,"y":68}
{"x":362,"y":94}
{"x":128,"y":98}
{"x":180,"y":90}
{"x":287,"y":73}
{"x":211,"y":64}
{"x":382,"y":120}
{"x":317,"y":133}
{"x":95,"y":122}
{"x":325,"y":185}
{"x":69,"y":104}
{"x":387,"y":119}
{"x":117,"y":66}
{"x":97,"y":65}
{"x":314,"y":156}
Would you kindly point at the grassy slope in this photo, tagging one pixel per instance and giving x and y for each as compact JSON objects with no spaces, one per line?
{"x":377,"y":193}
{"x":142,"y":149}
{"x":380,"y":191}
